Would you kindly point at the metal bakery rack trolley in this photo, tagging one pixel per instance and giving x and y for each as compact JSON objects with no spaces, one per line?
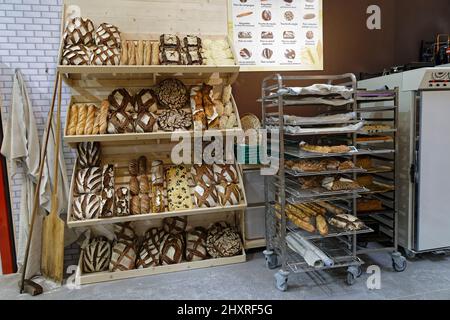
{"x":288,"y":246}
{"x":93,"y":83}
{"x":379,"y":205}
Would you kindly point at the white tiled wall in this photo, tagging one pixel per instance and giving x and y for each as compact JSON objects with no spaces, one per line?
{"x":29,"y":41}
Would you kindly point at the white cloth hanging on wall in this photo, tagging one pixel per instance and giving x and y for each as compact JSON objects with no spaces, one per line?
{"x":21,"y":145}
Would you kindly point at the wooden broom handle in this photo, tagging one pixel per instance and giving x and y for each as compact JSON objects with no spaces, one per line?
{"x":58,"y":138}
{"x":38,"y":185}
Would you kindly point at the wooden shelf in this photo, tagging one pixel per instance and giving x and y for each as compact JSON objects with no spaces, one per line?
{"x":87,"y":278}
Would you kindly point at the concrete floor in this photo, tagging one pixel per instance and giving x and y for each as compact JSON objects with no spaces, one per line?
{"x":427,"y":277}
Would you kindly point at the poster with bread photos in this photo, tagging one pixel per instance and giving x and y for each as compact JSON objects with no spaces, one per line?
{"x":277,"y":35}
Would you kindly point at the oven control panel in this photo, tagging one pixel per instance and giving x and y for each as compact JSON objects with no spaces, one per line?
{"x":438,"y":79}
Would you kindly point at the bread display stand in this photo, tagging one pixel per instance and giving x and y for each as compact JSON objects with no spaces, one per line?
{"x":139,"y":20}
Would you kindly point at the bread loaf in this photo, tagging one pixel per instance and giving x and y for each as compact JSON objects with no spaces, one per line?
{"x":134,"y":186}
{"x":145,"y":203}
{"x":107,"y":35}
{"x":225,"y":173}
{"x":148,"y":255}
{"x":121,"y":100}
{"x":203,"y":174}
{"x":157,"y":173}
{"x":73,"y":120}
{"x":145,"y":102}
{"x":223,"y":243}
{"x":144,"y":186}
{"x":124,"y":53}
{"x":229,"y":194}
{"x":108,"y":185}
{"x":120,"y":122}
{"x":175,"y":225}
{"x":171,"y":252}
{"x":86,"y":207}
{"x":135,"y":205}
{"x":154,"y":235}
{"x":122,"y":202}
{"x":96,"y":256}
{"x":79,"y":31}
{"x":155,"y":53}
{"x":158,"y":201}
{"x":123,"y":257}
{"x":133,"y":167}
{"x":103,"y":121}
{"x":140,"y":53}
{"x":178,"y":191}
{"x":131,"y":53}
{"x":196,"y":244}
{"x":103,"y":56}
{"x":125,"y":233}
{"x":146,"y":122}
{"x":82,"y":117}
{"x":205,"y":196}
{"x":147,"y":53}
{"x":89,"y":180}
{"x":89,"y":154}
{"x":90,"y":119}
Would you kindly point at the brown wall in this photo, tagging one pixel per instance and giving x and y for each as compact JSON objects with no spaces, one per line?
{"x":350,"y":47}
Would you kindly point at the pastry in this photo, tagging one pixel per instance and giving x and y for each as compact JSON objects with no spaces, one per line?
{"x":196,"y":244}
{"x":90,"y":120}
{"x":325,"y":149}
{"x":229,"y":194}
{"x":133,"y":167}
{"x":123,"y":257}
{"x":73,"y":121}
{"x":178,"y":191}
{"x":144,"y":185}
{"x":174,"y":120}
{"x":121,"y":100}
{"x":131,"y":53}
{"x":124,"y":53}
{"x":76,"y":55}
{"x":120,"y":122}
{"x":310,"y":182}
{"x":145,"y":204}
{"x":245,"y":53}
{"x":135,"y":207}
{"x":103,"y":55}
{"x":147,"y":53}
{"x":108,"y":191}
{"x":205,"y":196}
{"x":225,"y":173}
{"x":146,"y":122}
{"x":157,"y":173}
{"x":82,"y":117}
{"x":171,"y":251}
{"x":203,"y":174}
{"x":155,"y":53}
{"x":79,"y":31}
{"x":107,"y":35}
{"x":339,"y":184}
{"x":244,"y":35}
{"x":158,"y":199}
{"x":175,"y":225}
{"x":88,"y":154}
{"x":103,"y":121}
{"x":134,"y":186}
{"x":89,"y":180}
{"x":198,"y":112}
{"x":226,"y":243}
{"x":145,"y":102}
{"x":172,"y":94}
{"x":140,"y":53}
{"x":266,"y":15}
{"x":96,"y":256}
{"x":86,"y":207}
{"x":122,"y":202}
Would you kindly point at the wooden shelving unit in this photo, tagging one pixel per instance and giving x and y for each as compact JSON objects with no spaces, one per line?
{"x":92,"y":84}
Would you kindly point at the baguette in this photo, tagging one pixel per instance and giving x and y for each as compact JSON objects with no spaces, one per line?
{"x":131,"y":53}
{"x":322,"y":225}
{"x":124,"y":55}
{"x":331,"y":208}
{"x":82,"y":116}
{"x":96,"y":129}
{"x":155,"y":53}
{"x":103,"y":122}
{"x":308,"y":210}
{"x":318,"y":208}
{"x":90,"y":120}
{"x":73,"y":121}
{"x":302,"y":224}
{"x":147,"y":53}
{"x":140,"y":53}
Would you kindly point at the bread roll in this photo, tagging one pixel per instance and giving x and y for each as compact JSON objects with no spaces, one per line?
{"x":73,"y":120}
{"x":82,"y":117}
{"x":90,"y":120}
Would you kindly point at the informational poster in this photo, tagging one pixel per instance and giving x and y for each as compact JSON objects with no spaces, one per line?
{"x":277,"y":35}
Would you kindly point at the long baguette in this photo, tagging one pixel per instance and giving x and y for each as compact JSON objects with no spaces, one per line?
{"x":308,"y":210}
{"x":302,"y":224}
{"x":331,"y":208}
{"x":316,"y":208}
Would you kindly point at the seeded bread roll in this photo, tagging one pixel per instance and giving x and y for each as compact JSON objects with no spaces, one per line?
{"x":90,"y":120}
{"x":73,"y":121}
{"x":82,"y":117}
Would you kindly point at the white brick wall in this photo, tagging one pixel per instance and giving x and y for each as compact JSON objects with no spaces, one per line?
{"x":29,"y":40}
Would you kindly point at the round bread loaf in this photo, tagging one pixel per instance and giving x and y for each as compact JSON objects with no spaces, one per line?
{"x":103,"y":55}
{"x":148,"y":255}
{"x":79,"y":31}
{"x":196,"y":244}
{"x":97,"y":255}
{"x":226,"y":243}
{"x":175,"y":225}
{"x":121,"y":100}
{"x":125,"y":233}
{"x":120,"y":122}
{"x":107,"y":35}
{"x":123,"y":257}
{"x":76,"y":55}
{"x":171,"y":249}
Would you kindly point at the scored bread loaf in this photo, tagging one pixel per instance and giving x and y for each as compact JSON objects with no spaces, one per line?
{"x":89,"y":154}
{"x":108,"y":185}
{"x":145,"y":203}
{"x":205,"y":196}
{"x":123,"y":257}
{"x":107,"y":35}
{"x":148,"y":255}
{"x":225,"y":173}
{"x":196,"y":244}
{"x":135,"y":206}
{"x":172,"y":249}
{"x":229,"y":194}
{"x":121,"y":100}
{"x":79,"y":31}
{"x":89,"y":180}
{"x":134,"y":186}
{"x":203,"y":174}
{"x":154,"y":235}
{"x":225,"y":243}
{"x":145,"y":102}
{"x":120,"y":122}
{"x":125,"y":233}
{"x":146,"y":122}
{"x":86,"y":207}
{"x":144,"y":186}
{"x":96,"y":255}
{"x":90,"y":119}
{"x":103,"y":55}
{"x":175,"y":225}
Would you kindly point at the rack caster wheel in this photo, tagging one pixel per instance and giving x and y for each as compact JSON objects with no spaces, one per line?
{"x":271,"y":259}
{"x":353,"y":272}
{"x":281,"y":280}
{"x":409,"y":254}
{"x":398,"y":262}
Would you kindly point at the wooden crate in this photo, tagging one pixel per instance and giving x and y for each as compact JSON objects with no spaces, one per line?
{"x":148,"y":19}
{"x":120,"y":157}
{"x":132,"y":138}
{"x":203,"y":221}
